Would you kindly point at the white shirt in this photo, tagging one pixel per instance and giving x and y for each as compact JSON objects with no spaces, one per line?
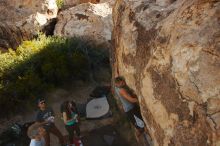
{"x":37,"y":143}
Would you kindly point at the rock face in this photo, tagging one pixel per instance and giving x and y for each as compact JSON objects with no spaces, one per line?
{"x":70,"y":3}
{"x":88,"y":21}
{"x":169,"y":53}
{"x":21,"y":19}
{"x":11,"y":36}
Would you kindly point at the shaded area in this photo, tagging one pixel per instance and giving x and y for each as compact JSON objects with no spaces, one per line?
{"x":114,"y":130}
{"x":15,"y":135}
{"x":105,"y":136}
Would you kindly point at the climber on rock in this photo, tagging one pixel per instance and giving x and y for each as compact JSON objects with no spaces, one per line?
{"x":129,"y":103}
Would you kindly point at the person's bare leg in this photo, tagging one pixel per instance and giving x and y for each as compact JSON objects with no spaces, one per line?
{"x":47,"y":139}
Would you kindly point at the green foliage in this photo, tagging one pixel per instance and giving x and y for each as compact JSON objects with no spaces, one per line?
{"x":41,"y":64}
{"x":60,"y":3}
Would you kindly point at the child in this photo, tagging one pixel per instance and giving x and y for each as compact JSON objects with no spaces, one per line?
{"x":36,"y":133}
{"x":71,"y":119}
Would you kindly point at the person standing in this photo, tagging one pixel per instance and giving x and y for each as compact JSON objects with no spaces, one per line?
{"x":71,"y":120}
{"x":129,"y":103}
{"x":45,"y":117}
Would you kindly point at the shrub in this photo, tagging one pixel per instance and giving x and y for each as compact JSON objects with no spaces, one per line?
{"x":41,"y":64}
{"x":60,"y":3}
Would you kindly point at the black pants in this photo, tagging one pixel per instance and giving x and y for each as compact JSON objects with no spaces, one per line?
{"x":130,"y":115}
{"x":71,"y":129}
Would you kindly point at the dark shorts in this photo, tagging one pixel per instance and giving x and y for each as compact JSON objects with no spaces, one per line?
{"x":130,"y":115}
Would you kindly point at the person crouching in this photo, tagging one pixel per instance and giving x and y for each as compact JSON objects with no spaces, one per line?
{"x":36,"y":133}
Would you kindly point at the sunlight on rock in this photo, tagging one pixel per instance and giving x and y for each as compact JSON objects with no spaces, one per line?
{"x":89,"y":21}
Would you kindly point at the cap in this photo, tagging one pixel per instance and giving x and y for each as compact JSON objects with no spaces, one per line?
{"x":40,"y":100}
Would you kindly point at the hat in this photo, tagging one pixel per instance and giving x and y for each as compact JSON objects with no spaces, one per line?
{"x":40,"y":100}
{"x":33,"y":130}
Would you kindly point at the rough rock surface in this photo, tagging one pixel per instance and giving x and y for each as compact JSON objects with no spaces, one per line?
{"x":71,"y":3}
{"x":88,"y":21}
{"x":20,"y":19}
{"x":169,"y":53}
{"x":11,"y":36}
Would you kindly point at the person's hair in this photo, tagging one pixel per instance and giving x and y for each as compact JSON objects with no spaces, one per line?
{"x":125,"y":86}
{"x":40,"y":100}
{"x":119,"y":79}
{"x":66,"y":109}
{"x":33,"y":131}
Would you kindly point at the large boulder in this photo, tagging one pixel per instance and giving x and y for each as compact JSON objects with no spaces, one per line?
{"x":22,"y":19}
{"x":169,"y":53}
{"x":92,"y":22}
{"x":11,"y":36}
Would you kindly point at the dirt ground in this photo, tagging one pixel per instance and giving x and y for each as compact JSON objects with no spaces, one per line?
{"x":94,"y":132}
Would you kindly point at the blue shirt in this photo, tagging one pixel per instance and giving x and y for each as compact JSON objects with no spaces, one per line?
{"x":37,"y":143}
{"x":127,"y":105}
{"x":43,"y":116}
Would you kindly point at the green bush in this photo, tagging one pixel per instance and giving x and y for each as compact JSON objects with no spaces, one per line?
{"x":41,"y":64}
{"x":60,"y":3}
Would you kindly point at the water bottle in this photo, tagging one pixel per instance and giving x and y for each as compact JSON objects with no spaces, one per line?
{"x":139,"y":122}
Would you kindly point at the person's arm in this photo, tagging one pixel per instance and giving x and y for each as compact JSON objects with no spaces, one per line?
{"x":78,"y":118}
{"x":41,"y":123}
{"x":65,"y":118}
{"x":127,"y":96}
{"x":77,"y":113}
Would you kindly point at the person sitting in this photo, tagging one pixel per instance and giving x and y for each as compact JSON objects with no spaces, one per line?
{"x":36,"y":133}
{"x":71,"y":120}
{"x":129,"y":103}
